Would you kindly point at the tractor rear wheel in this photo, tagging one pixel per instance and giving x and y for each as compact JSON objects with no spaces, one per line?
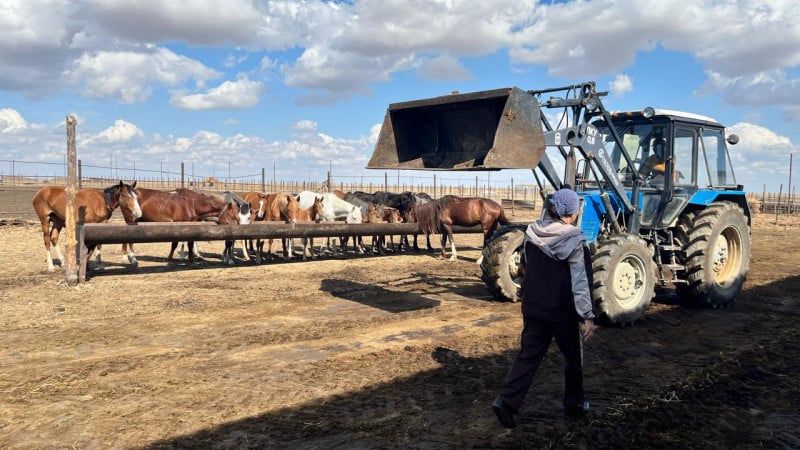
{"x":624,"y":279}
{"x":500,"y":263}
{"x":716,"y":253}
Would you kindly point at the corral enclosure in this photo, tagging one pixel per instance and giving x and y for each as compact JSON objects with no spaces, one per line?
{"x":404,"y":350}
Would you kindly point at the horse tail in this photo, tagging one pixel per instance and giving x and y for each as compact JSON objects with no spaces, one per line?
{"x":427,"y":216}
{"x":501,"y":218}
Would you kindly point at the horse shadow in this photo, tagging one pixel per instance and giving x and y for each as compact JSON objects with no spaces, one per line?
{"x":376,"y":296}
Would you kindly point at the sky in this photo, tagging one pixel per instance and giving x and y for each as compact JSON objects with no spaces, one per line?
{"x":298,"y":88}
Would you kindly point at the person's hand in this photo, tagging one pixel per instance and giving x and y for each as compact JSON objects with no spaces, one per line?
{"x":587,"y":329}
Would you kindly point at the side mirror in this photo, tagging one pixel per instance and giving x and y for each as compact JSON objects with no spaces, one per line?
{"x":733,"y":139}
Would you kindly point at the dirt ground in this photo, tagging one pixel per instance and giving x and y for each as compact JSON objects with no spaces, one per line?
{"x":403,"y":350}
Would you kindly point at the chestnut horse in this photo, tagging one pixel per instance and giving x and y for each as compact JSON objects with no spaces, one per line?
{"x":258,"y":206}
{"x":280,"y":206}
{"x":311,"y":214}
{"x":439,"y":216}
{"x":180,"y":205}
{"x":92,"y":206}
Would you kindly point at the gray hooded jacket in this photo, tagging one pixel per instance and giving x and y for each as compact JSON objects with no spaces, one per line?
{"x":564,"y":242}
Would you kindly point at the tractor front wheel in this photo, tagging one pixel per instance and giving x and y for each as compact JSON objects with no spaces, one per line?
{"x":500,"y":263}
{"x":624,"y":279}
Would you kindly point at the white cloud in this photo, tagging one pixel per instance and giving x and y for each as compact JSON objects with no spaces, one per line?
{"x":129,"y":76}
{"x":110,"y":49}
{"x":760,"y":156}
{"x":199,"y":22}
{"x":443,"y":68}
{"x":239,"y":94}
{"x":232,"y":60}
{"x":761,"y":89}
{"x":621,"y":85}
{"x":11,"y":120}
{"x":231,"y":121}
{"x":305,"y":125}
{"x":121,"y":131}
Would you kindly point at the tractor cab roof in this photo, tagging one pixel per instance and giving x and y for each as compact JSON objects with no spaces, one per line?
{"x":671,"y":114}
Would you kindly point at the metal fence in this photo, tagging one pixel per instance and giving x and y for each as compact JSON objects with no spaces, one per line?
{"x":22,"y":178}
{"x":27,"y":175}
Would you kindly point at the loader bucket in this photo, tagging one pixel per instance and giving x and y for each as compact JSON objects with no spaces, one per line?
{"x":496,"y":129}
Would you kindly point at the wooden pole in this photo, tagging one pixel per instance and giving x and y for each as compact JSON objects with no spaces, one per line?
{"x":789,"y":188}
{"x":70,"y":244}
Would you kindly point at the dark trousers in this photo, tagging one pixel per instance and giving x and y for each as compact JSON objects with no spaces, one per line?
{"x":537,"y":334}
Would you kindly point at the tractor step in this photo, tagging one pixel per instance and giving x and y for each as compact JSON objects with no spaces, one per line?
{"x":673,"y":267}
{"x":670,"y":247}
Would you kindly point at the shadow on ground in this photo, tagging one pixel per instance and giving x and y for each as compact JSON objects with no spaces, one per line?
{"x":682,"y":378}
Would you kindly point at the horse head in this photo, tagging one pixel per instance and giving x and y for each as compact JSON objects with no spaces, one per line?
{"x":126,"y":197}
{"x":291,"y":209}
{"x":232,"y":214}
{"x":354,"y":216}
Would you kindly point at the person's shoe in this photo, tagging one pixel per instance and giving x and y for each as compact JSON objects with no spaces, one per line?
{"x":504,"y":413}
{"x":577,"y":411}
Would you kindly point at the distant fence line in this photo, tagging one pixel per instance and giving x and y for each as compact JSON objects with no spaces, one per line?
{"x":27,"y":173}
{"x":32,"y":174}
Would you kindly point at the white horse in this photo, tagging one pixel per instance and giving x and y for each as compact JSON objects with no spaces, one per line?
{"x":333,"y":208}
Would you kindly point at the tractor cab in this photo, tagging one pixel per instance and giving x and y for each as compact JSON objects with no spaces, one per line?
{"x":675,"y":155}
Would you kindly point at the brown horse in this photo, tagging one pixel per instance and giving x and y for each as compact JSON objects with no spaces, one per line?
{"x":180,"y":205}
{"x":311,"y":214}
{"x":280,"y":207}
{"x":439,"y":216}
{"x":93,"y":206}
{"x":258,"y":206}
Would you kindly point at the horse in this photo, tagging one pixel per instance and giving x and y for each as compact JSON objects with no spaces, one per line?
{"x":403,"y":202}
{"x":237,"y":212}
{"x":419,"y":199}
{"x":382,"y":214}
{"x":258,"y":204}
{"x":334,"y":208}
{"x":439,"y":216}
{"x":280,"y":207}
{"x":180,"y":205}
{"x":93,"y":206}
{"x":312,"y":213}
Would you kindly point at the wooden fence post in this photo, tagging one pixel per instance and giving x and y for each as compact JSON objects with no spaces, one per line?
{"x":70,"y":244}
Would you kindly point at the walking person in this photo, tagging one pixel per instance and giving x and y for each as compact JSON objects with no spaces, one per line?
{"x":556,"y":303}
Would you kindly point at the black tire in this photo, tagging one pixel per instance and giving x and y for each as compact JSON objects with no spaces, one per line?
{"x":624,"y":279}
{"x":500,"y":263}
{"x":716,"y":254}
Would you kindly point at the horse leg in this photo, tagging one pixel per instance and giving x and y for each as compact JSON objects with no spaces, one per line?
{"x":192,"y":249}
{"x":54,"y":241}
{"x":98,"y":258}
{"x":172,"y":248}
{"x":227,"y":253}
{"x":131,"y":255}
{"x":46,"y":233}
{"x":287,"y":253}
{"x":449,"y":234}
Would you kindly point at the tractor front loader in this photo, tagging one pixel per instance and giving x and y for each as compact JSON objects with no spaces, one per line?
{"x":660,"y":203}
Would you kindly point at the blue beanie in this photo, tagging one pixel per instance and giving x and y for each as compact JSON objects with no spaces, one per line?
{"x":565,"y":202}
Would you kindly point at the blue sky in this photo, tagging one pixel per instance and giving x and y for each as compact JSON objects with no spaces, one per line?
{"x":303,"y":86}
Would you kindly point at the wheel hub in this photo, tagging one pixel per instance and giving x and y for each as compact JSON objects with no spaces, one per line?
{"x":719,"y":255}
{"x":628,"y":281}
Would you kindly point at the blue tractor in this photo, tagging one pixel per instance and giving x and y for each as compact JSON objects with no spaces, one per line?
{"x":660,"y":203}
